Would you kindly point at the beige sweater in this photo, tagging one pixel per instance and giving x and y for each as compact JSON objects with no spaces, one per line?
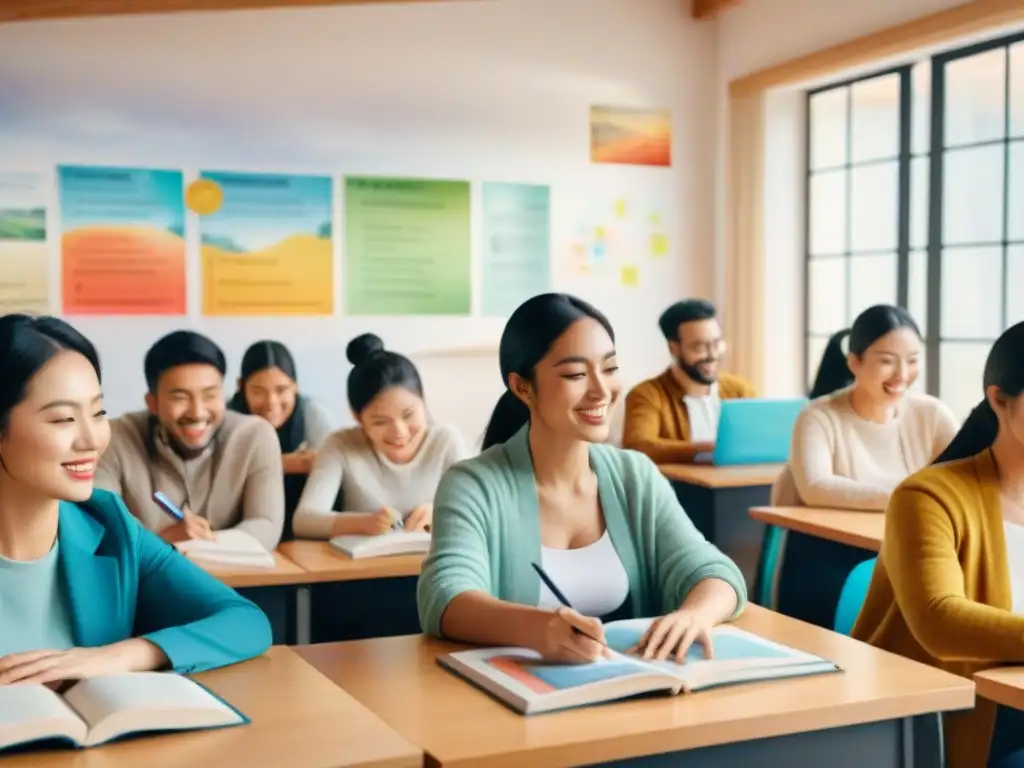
{"x":839,"y":460}
{"x":237,"y":482}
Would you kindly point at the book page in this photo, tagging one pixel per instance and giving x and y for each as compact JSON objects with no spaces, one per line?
{"x":229,"y":548}
{"x":393,"y":542}
{"x":32,"y":712}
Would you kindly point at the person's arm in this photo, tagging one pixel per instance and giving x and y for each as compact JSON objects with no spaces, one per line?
{"x":811,"y":462}
{"x":263,"y":495}
{"x":642,"y":432}
{"x":318,"y":425}
{"x":315,"y":515}
{"x":920,"y":556}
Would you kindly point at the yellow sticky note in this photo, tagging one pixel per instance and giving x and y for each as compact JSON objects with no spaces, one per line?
{"x":655,"y":218}
{"x":204,"y":197}
{"x":621,"y":209}
{"x":629,"y":275}
{"x":599,"y":234}
{"x":659,"y":244}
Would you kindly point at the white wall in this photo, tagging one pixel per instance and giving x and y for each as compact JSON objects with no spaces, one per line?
{"x":496,"y":90}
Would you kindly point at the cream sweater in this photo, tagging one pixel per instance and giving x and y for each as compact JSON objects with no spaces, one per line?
{"x":839,"y":460}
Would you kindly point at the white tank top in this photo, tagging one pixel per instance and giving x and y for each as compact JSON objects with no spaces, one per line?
{"x":592,"y":578}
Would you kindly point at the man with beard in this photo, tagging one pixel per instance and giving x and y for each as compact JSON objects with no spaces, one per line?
{"x":222,"y":469}
{"x":674,"y":417}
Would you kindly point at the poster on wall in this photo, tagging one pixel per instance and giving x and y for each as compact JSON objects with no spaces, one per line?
{"x":615,"y":237}
{"x":630,"y":136}
{"x":267,"y":243}
{"x":122,"y":241}
{"x":24,"y":276}
{"x":407,"y":246}
{"x":516,"y":245}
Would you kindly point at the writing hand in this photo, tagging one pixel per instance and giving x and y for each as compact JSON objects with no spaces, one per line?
{"x":192,"y":526}
{"x":420,"y":518}
{"x":572,"y":637}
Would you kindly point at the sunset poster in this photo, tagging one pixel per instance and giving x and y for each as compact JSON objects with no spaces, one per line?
{"x":267,"y":243}
{"x":24,"y":277}
{"x":629,"y":136}
{"x":122,"y":241}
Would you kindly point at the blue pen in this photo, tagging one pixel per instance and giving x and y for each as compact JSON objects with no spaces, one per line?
{"x":168,"y":506}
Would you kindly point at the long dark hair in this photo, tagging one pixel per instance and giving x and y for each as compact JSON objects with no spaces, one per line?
{"x":1004,"y":369}
{"x":872,"y":324}
{"x":529,"y":333}
{"x":259,"y":357}
{"x":376,"y":369}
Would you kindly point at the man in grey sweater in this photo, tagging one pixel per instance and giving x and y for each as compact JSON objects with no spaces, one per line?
{"x":222,"y":468}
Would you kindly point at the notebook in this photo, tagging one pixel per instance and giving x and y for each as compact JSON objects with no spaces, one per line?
{"x":230,"y":548}
{"x":102,"y":709}
{"x":529,"y":685}
{"x":391,"y":543}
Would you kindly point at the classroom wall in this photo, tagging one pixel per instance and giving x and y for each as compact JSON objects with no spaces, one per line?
{"x":497,"y":90}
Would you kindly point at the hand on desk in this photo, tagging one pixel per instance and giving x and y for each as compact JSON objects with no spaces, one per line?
{"x":572,"y":637}
{"x":192,"y":527}
{"x":420,"y":518}
{"x":673,"y":634}
{"x":50,"y":667}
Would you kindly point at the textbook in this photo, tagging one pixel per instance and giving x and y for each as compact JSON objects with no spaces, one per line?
{"x":229,"y":548}
{"x":391,"y":543}
{"x":529,"y":685}
{"x":101,"y":709}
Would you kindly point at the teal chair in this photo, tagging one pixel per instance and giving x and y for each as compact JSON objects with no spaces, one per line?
{"x":855,"y":588}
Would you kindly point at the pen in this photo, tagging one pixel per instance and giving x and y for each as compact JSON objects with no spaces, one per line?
{"x":168,"y":506}
{"x":562,"y":599}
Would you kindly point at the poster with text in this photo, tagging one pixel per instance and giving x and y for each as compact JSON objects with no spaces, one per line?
{"x":24,"y":277}
{"x":407,"y":247}
{"x":517,"y":245}
{"x":122,"y":241}
{"x":267,"y":243}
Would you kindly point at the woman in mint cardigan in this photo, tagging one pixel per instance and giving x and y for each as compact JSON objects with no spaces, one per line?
{"x":602,"y":522}
{"x":85,"y":590}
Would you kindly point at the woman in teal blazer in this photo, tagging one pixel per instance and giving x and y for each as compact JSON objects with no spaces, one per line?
{"x":85,"y":590}
{"x":603,"y":523}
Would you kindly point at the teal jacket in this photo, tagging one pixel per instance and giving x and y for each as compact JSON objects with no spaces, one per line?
{"x":123,"y":581}
{"x":486,"y":533}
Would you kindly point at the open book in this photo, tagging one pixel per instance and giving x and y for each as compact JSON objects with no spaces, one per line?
{"x":101,"y":709}
{"x":529,"y":685}
{"x":391,"y":543}
{"x":229,"y":548}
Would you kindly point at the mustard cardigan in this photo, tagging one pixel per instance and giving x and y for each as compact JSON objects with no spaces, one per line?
{"x":941,"y":590}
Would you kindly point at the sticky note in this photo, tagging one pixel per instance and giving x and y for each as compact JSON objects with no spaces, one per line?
{"x":629,"y":275}
{"x":599,"y":233}
{"x":659,"y":244}
{"x":655,"y":218}
{"x":621,"y":209}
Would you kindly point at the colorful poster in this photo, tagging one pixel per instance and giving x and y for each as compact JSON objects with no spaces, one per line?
{"x":122,"y":241}
{"x":517,"y":245}
{"x":615,"y":233}
{"x":407,"y":247}
{"x":630,"y":136}
{"x":24,"y":276}
{"x":267,"y":243}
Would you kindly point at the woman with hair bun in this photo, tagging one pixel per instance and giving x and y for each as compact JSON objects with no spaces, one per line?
{"x":390,"y":464}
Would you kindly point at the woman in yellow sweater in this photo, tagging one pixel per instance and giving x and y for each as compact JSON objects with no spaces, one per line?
{"x":948,"y":589}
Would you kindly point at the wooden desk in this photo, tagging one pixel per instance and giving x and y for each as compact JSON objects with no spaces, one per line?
{"x":717,"y":500}
{"x":845,"y":720}
{"x":322,"y":562}
{"x":1003,"y":685}
{"x":858,"y":529}
{"x":284,"y":573}
{"x":299,"y":719}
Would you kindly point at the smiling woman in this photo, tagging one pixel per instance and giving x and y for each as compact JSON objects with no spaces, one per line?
{"x":66,"y":613}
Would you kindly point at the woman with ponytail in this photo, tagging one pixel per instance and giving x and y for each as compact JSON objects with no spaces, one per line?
{"x":548,"y":491}
{"x":949,"y":585}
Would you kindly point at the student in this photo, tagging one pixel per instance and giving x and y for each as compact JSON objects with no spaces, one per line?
{"x":390,"y":464}
{"x":948,"y":588}
{"x":674,"y":417}
{"x":601,"y":521}
{"x":852,"y":446}
{"x":85,"y":590}
{"x":222,"y":468}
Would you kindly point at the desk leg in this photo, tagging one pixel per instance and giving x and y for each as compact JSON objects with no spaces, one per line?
{"x":303,"y":615}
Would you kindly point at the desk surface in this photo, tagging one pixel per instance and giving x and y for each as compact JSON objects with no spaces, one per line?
{"x":858,"y":529}
{"x":284,"y":573}
{"x":459,"y":726}
{"x":712,"y":477}
{"x":299,"y":719}
{"x":1003,"y":685}
{"x":322,"y":562}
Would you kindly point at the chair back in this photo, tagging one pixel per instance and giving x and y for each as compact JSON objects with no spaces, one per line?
{"x":855,"y":589}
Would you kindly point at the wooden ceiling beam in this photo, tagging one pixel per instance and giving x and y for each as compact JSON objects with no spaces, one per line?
{"x":706,"y":9}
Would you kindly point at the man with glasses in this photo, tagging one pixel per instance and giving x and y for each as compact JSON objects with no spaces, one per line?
{"x":673,"y":417}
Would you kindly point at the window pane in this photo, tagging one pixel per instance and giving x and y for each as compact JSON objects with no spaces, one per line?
{"x":972,"y":195}
{"x":828,"y":212}
{"x":826,"y":294}
{"x":960,"y":370}
{"x":1013,"y":284}
{"x":872,"y":281}
{"x":920,"y":173}
{"x":917,"y":289}
{"x":1016,"y":209}
{"x":921,"y":107}
{"x":976,"y":98}
{"x":828,"y":128}
{"x":972,"y":293}
{"x":874,"y":207}
{"x":875,"y":118}
{"x":815,"y":349}
{"x":1017,"y":90}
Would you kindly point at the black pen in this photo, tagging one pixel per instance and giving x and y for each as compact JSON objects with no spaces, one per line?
{"x":563,"y":600}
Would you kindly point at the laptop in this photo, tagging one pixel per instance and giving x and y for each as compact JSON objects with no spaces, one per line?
{"x":754,"y":431}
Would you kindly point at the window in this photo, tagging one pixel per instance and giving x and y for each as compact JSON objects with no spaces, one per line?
{"x":916,"y":197}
